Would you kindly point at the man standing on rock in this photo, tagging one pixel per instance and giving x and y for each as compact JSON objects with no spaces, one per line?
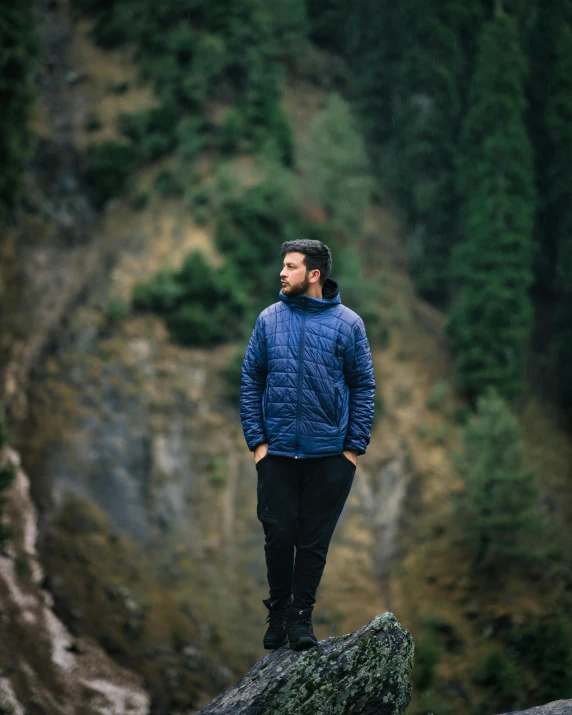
{"x":306,"y":405}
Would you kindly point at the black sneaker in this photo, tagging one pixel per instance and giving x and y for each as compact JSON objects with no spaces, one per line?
{"x":299,"y":625}
{"x":276,"y":636}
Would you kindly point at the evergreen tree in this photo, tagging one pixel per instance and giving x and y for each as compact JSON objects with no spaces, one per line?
{"x":490,"y":322}
{"x":18,"y":54}
{"x":337,"y":167}
{"x":328,"y":22}
{"x":497,"y":512}
{"x":547,"y":56}
{"x":420,"y":169}
{"x":374,"y":52}
{"x":558,"y":201}
{"x":290,"y":27}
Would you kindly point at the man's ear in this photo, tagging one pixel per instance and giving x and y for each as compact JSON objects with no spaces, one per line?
{"x":316,"y":277}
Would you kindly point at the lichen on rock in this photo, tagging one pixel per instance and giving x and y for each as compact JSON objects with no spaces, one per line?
{"x":362,"y":673}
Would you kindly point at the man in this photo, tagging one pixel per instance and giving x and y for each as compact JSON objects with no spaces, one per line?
{"x":306,"y":405}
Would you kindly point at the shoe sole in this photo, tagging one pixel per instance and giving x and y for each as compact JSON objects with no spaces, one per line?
{"x":304,"y":644}
{"x":268,"y":646}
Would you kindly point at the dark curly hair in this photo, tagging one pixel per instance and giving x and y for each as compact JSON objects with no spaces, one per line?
{"x":316,"y":255}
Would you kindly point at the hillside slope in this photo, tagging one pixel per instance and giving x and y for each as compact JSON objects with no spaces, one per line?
{"x":129,"y":439}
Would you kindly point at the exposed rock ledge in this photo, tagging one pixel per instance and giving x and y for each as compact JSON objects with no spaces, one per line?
{"x":557,"y":707}
{"x":361,"y":673}
{"x":42,"y":667}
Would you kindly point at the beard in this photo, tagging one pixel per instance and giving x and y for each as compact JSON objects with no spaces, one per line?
{"x":296,"y":288}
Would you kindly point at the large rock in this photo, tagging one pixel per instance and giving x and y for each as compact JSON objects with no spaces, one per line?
{"x":557,"y":707}
{"x":361,"y":673}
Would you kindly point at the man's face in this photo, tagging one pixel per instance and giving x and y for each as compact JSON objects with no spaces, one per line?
{"x":293,"y":275}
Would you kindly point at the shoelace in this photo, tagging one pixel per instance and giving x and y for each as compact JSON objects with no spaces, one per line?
{"x":274,"y":616}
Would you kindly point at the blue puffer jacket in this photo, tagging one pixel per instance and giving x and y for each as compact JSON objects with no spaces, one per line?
{"x":307,"y":381}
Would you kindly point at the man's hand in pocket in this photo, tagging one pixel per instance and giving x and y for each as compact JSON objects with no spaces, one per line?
{"x":352,"y":456}
{"x":260,"y":451}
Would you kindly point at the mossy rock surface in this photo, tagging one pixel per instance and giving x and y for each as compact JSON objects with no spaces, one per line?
{"x":362,"y":673}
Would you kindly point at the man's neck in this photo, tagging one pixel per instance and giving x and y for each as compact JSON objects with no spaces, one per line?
{"x":314,"y":291}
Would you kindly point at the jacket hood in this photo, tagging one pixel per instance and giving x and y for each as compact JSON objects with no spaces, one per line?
{"x":330,"y":296}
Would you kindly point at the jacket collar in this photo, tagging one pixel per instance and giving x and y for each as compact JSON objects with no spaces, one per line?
{"x":330,"y":296}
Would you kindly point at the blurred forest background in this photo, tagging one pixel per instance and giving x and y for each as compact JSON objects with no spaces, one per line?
{"x":429,"y":144}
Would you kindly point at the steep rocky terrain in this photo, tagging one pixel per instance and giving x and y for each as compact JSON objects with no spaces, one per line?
{"x":147,"y":529}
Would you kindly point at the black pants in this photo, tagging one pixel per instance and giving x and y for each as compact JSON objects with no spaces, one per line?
{"x":299,"y":504}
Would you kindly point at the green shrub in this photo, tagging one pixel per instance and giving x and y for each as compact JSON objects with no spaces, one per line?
{"x":168,"y":185}
{"x":201,"y":305}
{"x":461,"y":414}
{"x":108,"y":168}
{"x":152,"y":131}
{"x":140,"y":200}
{"x":190,"y":138}
{"x":200,"y":196}
{"x":232,"y":132}
{"x":116,"y":310}
{"x":440,"y":433}
{"x":439,"y":394}
{"x":93,"y":123}
{"x":8,"y":473}
{"x":545,"y":645}
{"x":423,"y":430}
{"x":503,"y":682}
{"x":201,"y":215}
{"x":218,"y":472}
{"x":426,"y":658}
{"x":161,"y":294}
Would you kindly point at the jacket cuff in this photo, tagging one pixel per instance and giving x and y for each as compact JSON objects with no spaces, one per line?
{"x":354,"y":447}
{"x":255,"y":444}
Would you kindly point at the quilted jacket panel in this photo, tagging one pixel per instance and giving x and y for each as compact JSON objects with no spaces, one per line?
{"x":307,"y":381}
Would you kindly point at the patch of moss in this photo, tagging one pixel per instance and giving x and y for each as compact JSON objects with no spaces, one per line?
{"x":373,"y":664}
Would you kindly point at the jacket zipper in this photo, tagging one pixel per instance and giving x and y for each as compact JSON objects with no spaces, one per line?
{"x":300,"y":380}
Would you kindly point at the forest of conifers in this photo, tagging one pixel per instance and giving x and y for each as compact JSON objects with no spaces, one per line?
{"x":467,"y":113}
{"x":457,"y":115}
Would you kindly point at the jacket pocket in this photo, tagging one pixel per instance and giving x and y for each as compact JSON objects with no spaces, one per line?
{"x":337,"y":405}
{"x":264,"y":400}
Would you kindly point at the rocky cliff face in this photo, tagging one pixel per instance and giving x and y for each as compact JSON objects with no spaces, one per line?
{"x":147,"y":526}
{"x":44,"y":668}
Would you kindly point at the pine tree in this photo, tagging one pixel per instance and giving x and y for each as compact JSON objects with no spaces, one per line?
{"x":336,"y":166}
{"x":18,"y":54}
{"x":429,"y":84}
{"x":497,"y":512}
{"x":290,"y":27}
{"x":491,"y":319}
{"x":558,"y":201}
{"x":546,"y":52}
{"x":328,"y":22}
{"x":374,"y":51}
